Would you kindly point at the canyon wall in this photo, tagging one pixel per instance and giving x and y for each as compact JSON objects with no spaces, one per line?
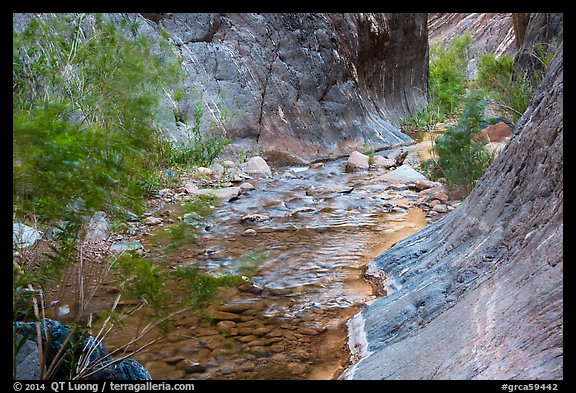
{"x":302,"y":87}
{"x":479,"y":293}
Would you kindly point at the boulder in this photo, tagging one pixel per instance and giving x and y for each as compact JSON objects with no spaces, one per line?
{"x":357,"y":162}
{"x":217,"y":169}
{"x":24,"y":236}
{"x":494,"y":133}
{"x":437,"y":192}
{"x":397,"y":155}
{"x":190,"y":187}
{"x":257,"y":166}
{"x":27,"y":360}
{"x":203,"y":171}
{"x":98,"y":228}
{"x":424,"y":184}
{"x":404,"y":174}
{"x":226,"y":194}
{"x":58,"y":333}
{"x":383,"y":162}
{"x":121,"y":247}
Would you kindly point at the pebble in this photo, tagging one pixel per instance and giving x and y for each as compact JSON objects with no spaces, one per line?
{"x":246,"y":187}
{"x":225,"y":325}
{"x":246,"y":339}
{"x":254,"y":218}
{"x":224,"y":316}
{"x":194,"y":367}
{"x":441,"y":208}
{"x":204,"y":171}
{"x":246,"y":366}
{"x":262,"y":331}
{"x":151,"y":220}
{"x":250,"y":232}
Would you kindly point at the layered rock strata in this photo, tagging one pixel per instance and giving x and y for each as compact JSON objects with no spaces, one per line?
{"x":479,"y":293}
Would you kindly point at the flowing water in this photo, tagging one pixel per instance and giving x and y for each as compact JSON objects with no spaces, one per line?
{"x":288,"y":320}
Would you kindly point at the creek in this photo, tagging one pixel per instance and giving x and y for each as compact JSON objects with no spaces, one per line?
{"x":289,"y":320}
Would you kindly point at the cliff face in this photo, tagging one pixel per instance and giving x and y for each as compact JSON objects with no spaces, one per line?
{"x":304,"y":86}
{"x":479,"y":294}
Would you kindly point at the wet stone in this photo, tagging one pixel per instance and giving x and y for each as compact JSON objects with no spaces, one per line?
{"x":236,"y":308}
{"x":262,"y":331}
{"x":247,"y":339}
{"x":246,"y":366}
{"x":225,"y":325}
{"x":224,"y":316}
{"x":194,"y":368}
{"x":257,"y":342}
{"x":259,"y":350}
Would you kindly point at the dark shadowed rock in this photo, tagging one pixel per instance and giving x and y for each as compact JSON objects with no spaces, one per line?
{"x":479,"y":294}
{"x":56,"y":334}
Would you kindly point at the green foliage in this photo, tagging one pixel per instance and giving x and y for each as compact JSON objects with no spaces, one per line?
{"x":495,"y":80}
{"x":144,"y":281}
{"x":85,"y":95}
{"x":461,"y":160}
{"x":494,"y":73}
{"x":202,"y":147}
{"x":194,"y":213}
{"x":448,"y":74}
{"x":424,"y":118}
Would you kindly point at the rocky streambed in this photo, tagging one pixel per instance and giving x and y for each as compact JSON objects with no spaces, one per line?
{"x":316,"y":228}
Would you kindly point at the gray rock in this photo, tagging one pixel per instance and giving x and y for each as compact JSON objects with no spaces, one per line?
{"x":151,"y":220}
{"x":257,"y":166}
{"x":479,"y":294}
{"x":254,"y":218}
{"x":27,"y":360}
{"x":216,"y":169}
{"x":223,"y":194}
{"x":126,"y":246}
{"x":24,"y":236}
{"x":404,"y":173}
{"x":312,"y":81}
{"x":382,"y":162}
{"x":357,"y":162}
{"x":247,"y":187}
{"x":127,"y":369}
{"x":98,"y":228}
{"x":440,"y":208}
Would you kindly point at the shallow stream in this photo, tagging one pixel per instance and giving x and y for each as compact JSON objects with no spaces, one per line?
{"x":288,"y":321}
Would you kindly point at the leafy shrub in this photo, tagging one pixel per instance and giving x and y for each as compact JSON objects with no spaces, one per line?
{"x":461,"y":160}
{"x":85,"y":96}
{"x":202,"y":147}
{"x":448,"y":74}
